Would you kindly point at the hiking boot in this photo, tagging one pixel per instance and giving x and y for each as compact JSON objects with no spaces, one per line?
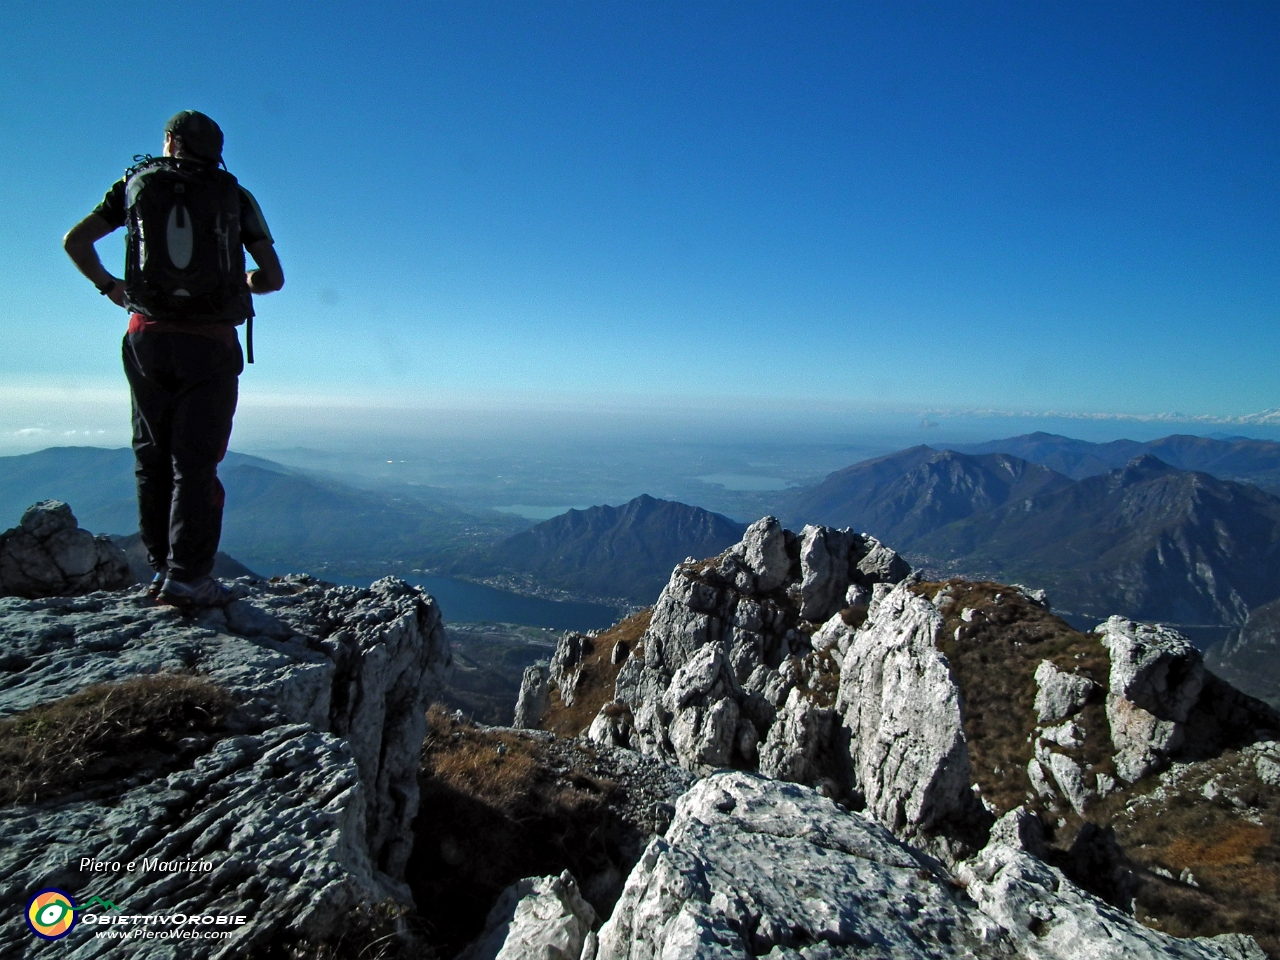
{"x":202,"y":592}
{"x":156,"y":585}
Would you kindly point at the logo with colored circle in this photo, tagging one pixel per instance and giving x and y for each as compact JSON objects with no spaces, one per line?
{"x":51,"y":914}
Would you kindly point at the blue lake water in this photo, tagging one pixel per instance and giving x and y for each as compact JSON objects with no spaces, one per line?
{"x":746,"y":482}
{"x":462,"y":602}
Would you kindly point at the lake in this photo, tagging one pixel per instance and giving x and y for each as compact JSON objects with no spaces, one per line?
{"x":462,"y":602}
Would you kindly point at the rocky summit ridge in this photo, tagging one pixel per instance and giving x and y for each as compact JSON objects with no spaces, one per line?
{"x":859,"y":763}
{"x":858,"y":702}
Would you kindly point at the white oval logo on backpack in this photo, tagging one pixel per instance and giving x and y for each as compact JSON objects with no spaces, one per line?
{"x":179,"y":237}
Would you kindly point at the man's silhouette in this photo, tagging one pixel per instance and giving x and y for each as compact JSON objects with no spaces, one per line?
{"x":186,"y":289}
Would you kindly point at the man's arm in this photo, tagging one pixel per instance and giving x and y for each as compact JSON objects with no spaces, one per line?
{"x":79,"y":243}
{"x":270,"y":275}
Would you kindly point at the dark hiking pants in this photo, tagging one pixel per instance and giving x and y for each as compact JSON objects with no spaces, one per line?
{"x":184,"y":390}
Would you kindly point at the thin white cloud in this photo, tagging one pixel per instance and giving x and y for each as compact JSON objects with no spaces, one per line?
{"x":1262,"y":418}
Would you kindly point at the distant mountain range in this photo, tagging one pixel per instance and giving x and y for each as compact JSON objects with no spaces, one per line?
{"x":914,"y":492}
{"x":1171,"y":533}
{"x":1239,"y":458}
{"x":1146,"y":540}
{"x":626,"y":551}
{"x":277,"y":519}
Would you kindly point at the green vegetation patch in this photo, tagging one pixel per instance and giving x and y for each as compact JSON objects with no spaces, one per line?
{"x":146,"y":724}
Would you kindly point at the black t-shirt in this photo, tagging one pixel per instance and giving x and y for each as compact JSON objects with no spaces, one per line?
{"x":253,"y":225}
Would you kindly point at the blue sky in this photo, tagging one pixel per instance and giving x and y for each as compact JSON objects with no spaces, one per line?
{"x":799,"y":209}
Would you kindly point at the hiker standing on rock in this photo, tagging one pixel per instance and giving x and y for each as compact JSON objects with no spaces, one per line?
{"x":189,"y":224}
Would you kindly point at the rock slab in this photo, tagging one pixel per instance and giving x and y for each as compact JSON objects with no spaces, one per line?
{"x":754,"y":867}
{"x":302,"y":816}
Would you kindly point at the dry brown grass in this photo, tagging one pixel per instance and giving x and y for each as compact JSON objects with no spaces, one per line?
{"x":994,"y":662}
{"x":1230,"y":846}
{"x":597,"y":677}
{"x":493,"y":766}
{"x":498,"y":806}
{"x":107,"y":731}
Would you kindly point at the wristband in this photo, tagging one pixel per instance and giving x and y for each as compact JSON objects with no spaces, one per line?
{"x":106,"y":288}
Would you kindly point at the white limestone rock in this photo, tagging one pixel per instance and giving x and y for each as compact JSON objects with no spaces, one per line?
{"x":1059,"y":694}
{"x":1156,"y":668}
{"x":1039,"y":782}
{"x":1049,"y":918}
{"x":702,"y":704}
{"x":878,"y":592}
{"x":531,"y":703}
{"x":566,"y":665}
{"x":1067,"y":734}
{"x":902,"y":709}
{"x":537,"y":918}
{"x":48,"y":555}
{"x":858,"y":595}
{"x":880,"y":564}
{"x":1039,"y":597}
{"x":825,"y":556}
{"x":300,"y":821}
{"x":1267,"y":764}
{"x":803,"y":745}
{"x":1156,"y":678}
{"x":753,"y":867}
{"x":834,"y":633}
{"x":744,"y":606}
{"x":1021,"y":829}
{"x":1070,"y":779}
{"x":764,"y":548}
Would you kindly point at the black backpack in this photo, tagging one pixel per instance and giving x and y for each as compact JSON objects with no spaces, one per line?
{"x":184,"y":259}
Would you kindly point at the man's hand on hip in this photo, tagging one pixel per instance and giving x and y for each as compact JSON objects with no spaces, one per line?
{"x":116,"y":293}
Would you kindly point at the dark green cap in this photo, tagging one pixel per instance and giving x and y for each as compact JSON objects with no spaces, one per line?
{"x":201,"y":137}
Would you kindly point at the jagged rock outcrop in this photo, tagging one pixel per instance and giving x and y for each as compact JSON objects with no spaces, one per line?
{"x":566,"y":664}
{"x":1157,"y":676}
{"x":727,"y":643}
{"x":903,"y":711}
{"x":538,"y":918}
{"x":532,"y":701}
{"x":806,"y":745}
{"x":753,"y":867}
{"x":48,"y":555}
{"x":302,"y":811}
